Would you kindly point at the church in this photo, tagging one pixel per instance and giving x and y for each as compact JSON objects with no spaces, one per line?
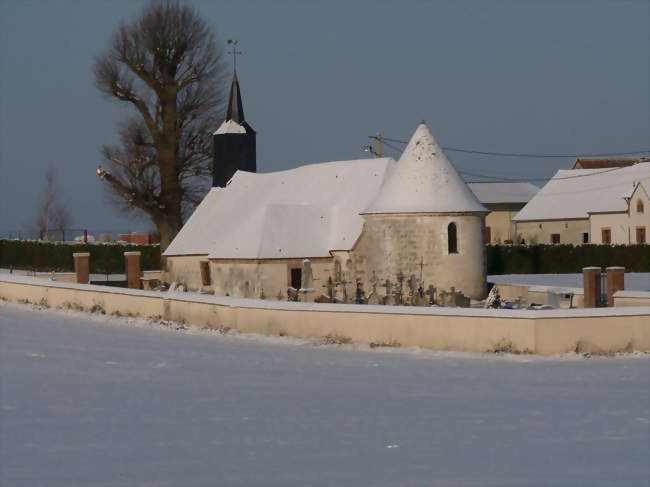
{"x":339,"y":230}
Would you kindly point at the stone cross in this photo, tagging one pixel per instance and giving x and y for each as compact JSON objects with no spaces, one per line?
{"x":373,"y":283}
{"x":431,"y":292}
{"x":399,"y":293}
{"x":359,"y":296}
{"x":330,"y":286}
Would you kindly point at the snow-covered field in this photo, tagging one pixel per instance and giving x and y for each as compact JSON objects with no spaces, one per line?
{"x":635,"y":281}
{"x":88,"y":400}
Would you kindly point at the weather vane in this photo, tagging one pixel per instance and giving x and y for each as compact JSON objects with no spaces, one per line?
{"x":234,"y":52}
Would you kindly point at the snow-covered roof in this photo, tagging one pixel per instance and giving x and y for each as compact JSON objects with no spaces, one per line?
{"x":302,"y":212}
{"x":230,"y":127}
{"x":503,"y":191}
{"x":424,"y":181}
{"x":574,"y":193}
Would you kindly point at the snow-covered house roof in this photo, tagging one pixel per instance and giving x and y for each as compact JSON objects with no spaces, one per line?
{"x":503,"y":191}
{"x":303,"y":212}
{"x":574,"y":193}
{"x":424,"y":181}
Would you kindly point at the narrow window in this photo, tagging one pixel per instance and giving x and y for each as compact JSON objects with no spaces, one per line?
{"x":639,"y":206}
{"x":585,"y":237}
{"x":606,"y":235}
{"x":555,"y":238}
{"x":640,"y":235}
{"x":452,"y":239}
{"x":296,"y":278}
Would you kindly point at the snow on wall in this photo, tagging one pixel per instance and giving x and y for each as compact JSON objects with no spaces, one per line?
{"x":344,"y":308}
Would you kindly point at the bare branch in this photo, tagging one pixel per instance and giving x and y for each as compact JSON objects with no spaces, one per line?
{"x":166,"y":65}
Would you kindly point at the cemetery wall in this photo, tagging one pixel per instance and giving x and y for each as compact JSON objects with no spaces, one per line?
{"x":604,"y":330}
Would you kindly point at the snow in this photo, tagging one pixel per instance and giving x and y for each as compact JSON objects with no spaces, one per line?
{"x":302,"y":212}
{"x":340,"y":308}
{"x":93,"y":401}
{"x":634,"y":281}
{"x":230,"y":127}
{"x":503,"y":192}
{"x":424,"y":181}
{"x":575,"y":193}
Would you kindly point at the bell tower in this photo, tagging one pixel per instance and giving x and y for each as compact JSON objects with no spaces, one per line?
{"x":233,"y":142}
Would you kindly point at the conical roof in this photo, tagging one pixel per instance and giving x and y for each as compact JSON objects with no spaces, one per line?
{"x":235,"y":106}
{"x":424,"y":181}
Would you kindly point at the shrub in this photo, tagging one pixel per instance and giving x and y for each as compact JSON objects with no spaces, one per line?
{"x":561,"y":259}
{"x":105,"y":258}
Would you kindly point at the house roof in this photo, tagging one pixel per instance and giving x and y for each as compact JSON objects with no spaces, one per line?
{"x":575,"y":193}
{"x":302,"y":212}
{"x":503,"y":191}
{"x":600,"y":163}
{"x":424,"y":181}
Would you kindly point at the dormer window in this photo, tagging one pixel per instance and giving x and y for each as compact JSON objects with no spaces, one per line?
{"x":639,"y":206}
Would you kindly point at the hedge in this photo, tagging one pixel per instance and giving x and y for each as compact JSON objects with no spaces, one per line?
{"x":565,"y":259}
{"x":501,"y":259}
{"x":105,"y":258}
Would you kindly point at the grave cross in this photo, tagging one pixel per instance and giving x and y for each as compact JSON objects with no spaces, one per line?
{"x":330,"y":286}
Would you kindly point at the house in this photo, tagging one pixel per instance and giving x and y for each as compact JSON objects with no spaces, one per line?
{"x":604,"y":163}
{"x":504,"y":199}
{"x":589,"y":206}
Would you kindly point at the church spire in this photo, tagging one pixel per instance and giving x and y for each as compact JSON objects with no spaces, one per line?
{"x":235,"y":107}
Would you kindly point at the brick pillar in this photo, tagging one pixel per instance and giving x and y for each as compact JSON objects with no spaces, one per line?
{"x":132,"y":261}
{"x":205,"y":272}
{"x":591,"y":276}
{"x":82,"y":266}
{"x":615,"y":282}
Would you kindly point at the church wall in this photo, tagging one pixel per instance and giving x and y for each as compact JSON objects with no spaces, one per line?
{"x":251,"y":278}
{"x":418,"y":243}
{"x":540,"y":231}
{"x":185,"y":269}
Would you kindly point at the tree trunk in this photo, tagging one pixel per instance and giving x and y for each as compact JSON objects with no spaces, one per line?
{"x":168,"y":230}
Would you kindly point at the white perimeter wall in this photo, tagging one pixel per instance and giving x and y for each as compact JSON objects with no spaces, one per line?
{"x":474,"y":330}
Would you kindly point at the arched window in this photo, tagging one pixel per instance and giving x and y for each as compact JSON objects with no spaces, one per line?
{"x":639,"y":206}
{"x":452,"y":239}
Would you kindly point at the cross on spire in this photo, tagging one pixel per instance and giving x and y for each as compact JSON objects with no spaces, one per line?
{"x":234,"y":52}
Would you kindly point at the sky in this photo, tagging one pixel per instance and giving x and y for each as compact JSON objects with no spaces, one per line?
{"x":543,"y":76}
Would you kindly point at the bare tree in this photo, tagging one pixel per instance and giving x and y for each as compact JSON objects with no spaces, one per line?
{"x":165,"y":64}
{"x":52,"y":214}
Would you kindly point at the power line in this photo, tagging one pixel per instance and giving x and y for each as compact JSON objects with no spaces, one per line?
{"x":518,"y":179}
{"x":517,"y":154}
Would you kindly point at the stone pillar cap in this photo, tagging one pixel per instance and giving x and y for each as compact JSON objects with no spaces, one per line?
{"x":135,"y":252}
{"x":590,"y":268}
{"x":81,"y":254}
{"x":615,"y":268}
